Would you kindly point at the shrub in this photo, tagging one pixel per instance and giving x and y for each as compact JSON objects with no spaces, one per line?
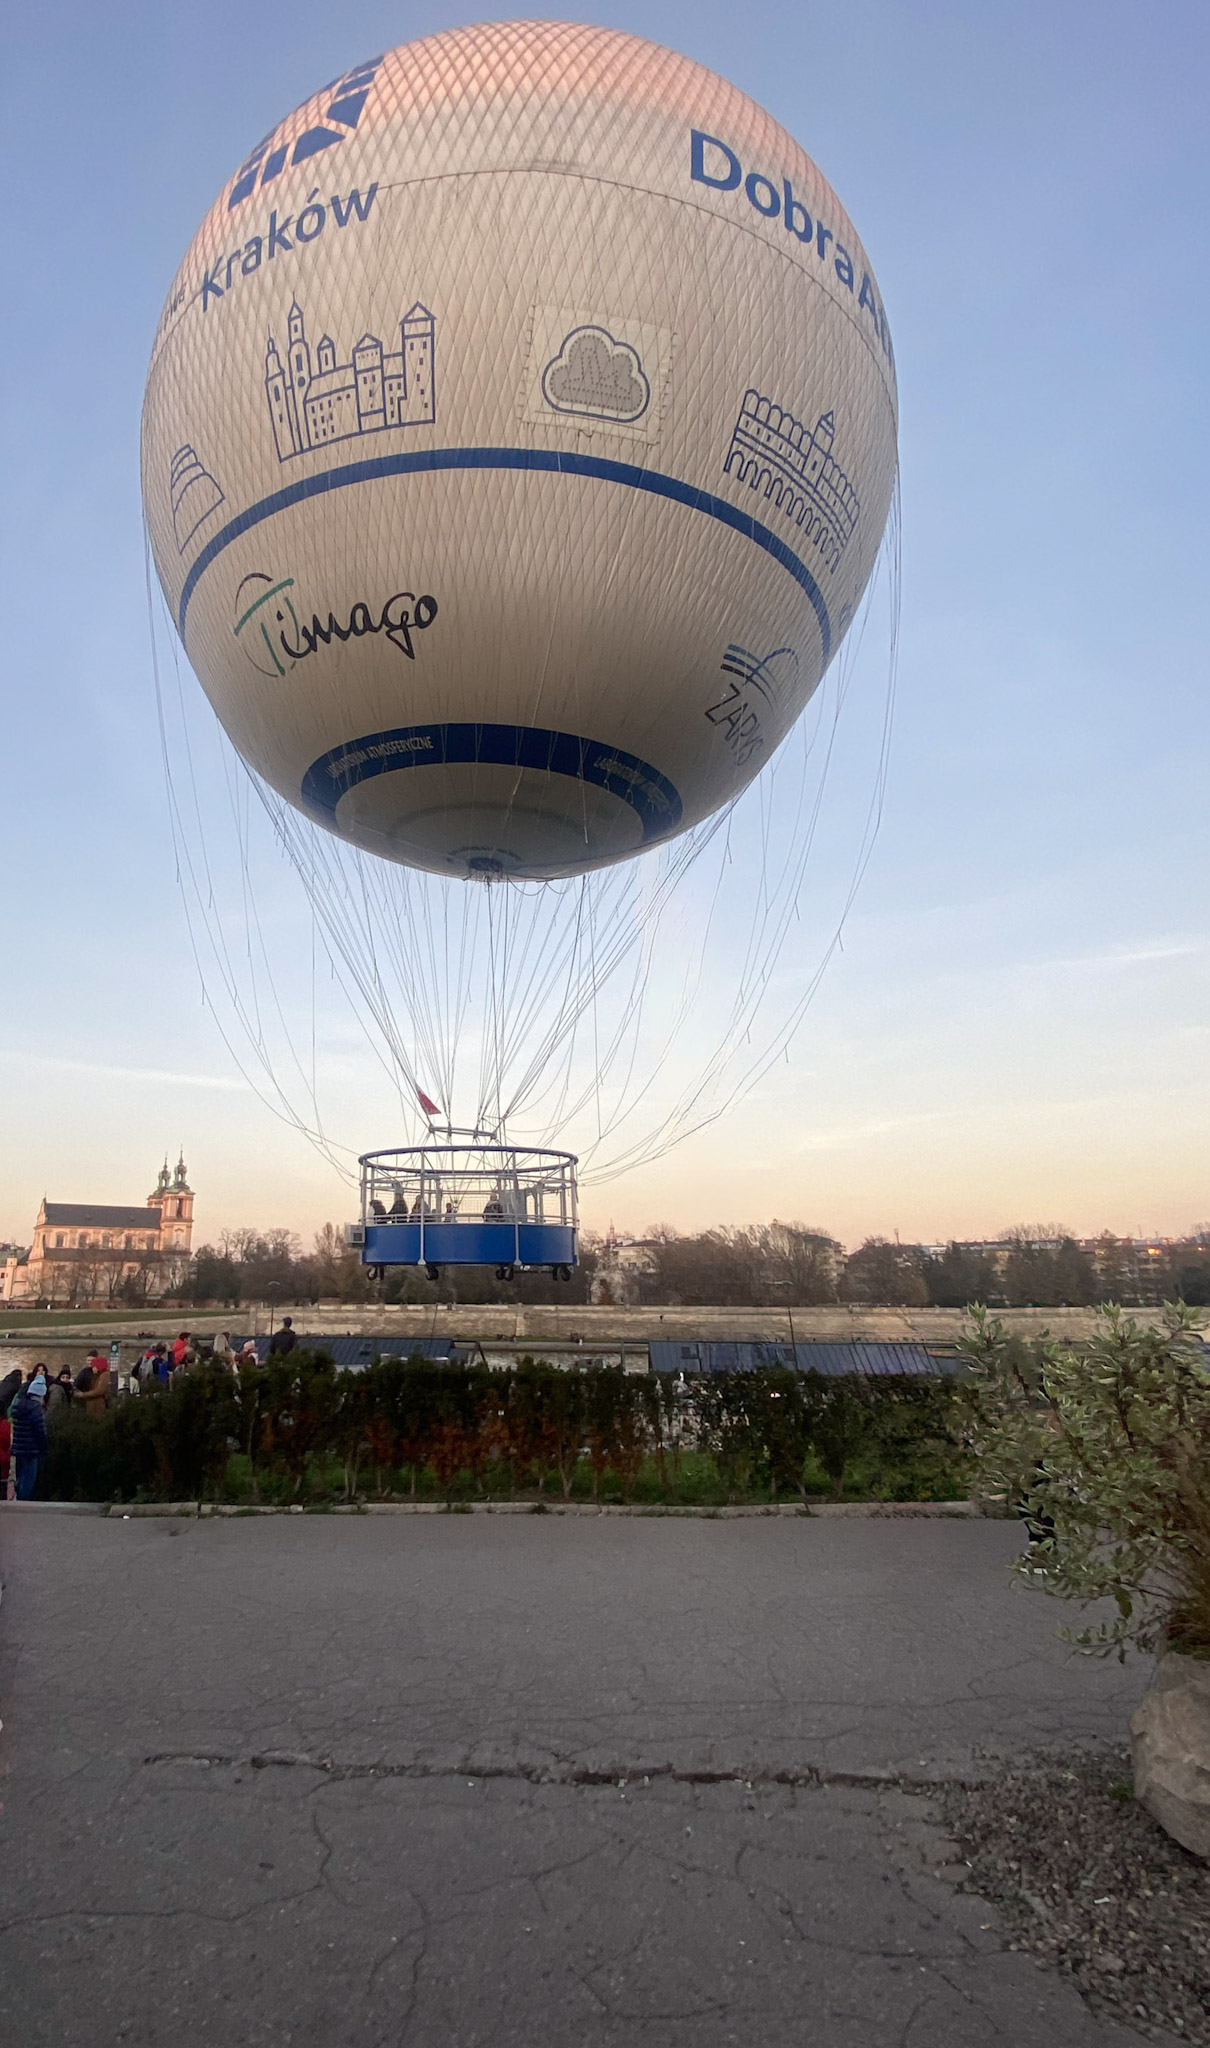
{"x":296,"y":1428}
{"x":1106,"y":1450}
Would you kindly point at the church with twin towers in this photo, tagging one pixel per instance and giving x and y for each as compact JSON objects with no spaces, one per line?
{"x":315,"y":401}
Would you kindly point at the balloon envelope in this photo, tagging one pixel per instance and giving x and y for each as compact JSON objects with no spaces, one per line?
{"x":519,"y":438}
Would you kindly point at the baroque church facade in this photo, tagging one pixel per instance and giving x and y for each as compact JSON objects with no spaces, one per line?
{"x":90,"y":1254}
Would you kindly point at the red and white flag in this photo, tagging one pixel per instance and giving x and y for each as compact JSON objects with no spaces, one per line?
{"x":429,"y":1108}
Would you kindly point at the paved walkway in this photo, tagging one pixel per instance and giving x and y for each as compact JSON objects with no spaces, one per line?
{"x":471,"y":1782}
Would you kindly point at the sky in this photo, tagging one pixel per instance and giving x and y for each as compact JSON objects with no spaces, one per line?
{"x":1017,"y":1027}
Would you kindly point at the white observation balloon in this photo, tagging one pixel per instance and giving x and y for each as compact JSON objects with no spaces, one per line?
{"x":519,"y":437}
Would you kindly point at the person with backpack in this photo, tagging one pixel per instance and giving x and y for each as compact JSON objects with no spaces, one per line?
{"x":284,"y":1339}
{"x":28,"y":1441}
{"x":154,"y":1377}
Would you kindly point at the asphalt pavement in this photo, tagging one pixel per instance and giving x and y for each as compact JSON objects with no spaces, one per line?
{"x":495,"y":1781}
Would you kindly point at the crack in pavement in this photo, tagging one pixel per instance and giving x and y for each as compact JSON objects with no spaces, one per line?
{"x":805,"y":1778}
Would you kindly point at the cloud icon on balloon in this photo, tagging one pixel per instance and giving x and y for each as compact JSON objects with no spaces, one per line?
{"x":596,"y":376}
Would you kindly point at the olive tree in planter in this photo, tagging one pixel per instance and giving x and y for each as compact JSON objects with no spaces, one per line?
{"x":1106,"y":1451}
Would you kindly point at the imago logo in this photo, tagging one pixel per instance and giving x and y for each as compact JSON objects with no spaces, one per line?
{"x":267,"y":623}
{"x":349,"y":96}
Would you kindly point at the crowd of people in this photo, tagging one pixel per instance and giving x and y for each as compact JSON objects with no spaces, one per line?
{"x":25,"y":1406}
{"x":28,"y":1402}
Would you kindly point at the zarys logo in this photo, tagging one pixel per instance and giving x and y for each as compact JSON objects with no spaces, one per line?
{"x":760,"y":683}
{"x":349,"y":96}
{"x":267,"y":625}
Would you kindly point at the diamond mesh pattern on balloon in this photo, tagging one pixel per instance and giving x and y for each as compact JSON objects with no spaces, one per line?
{"x":337,"y":422}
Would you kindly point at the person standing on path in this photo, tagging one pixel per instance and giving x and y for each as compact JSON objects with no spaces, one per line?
{"x":29,"y":1441}
{"x":10,"y":1387}
{"x":154,"y":1371}
{"x":59,"y":1394}
{"x":93,"y":1399}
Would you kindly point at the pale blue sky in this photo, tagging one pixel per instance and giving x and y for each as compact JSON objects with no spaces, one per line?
{"x":1018,"y":1025}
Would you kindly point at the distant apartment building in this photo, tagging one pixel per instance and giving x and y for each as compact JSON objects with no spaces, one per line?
{"x":1137,"y":1270}
{"x":87,"y":1254}
{"x":623,"y":1264}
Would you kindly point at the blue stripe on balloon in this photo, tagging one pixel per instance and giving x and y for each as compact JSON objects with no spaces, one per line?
{"x":650,"y":795}
{"x":547,"y":459}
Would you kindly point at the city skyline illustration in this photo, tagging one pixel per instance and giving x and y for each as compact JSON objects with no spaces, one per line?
{"x":314,"y":401}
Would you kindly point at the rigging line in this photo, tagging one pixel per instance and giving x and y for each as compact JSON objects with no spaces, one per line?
{"x":186,"y":864}
{"x":336,"y":930}
{"x":284,"y":1113}
{"x":228,"y":973}
{"x":696,"y":959}
{"x":495,"y":996}
{"x":551,"y":965}
{"x":663,"y":869}
{"x":411,"y":945}
{"x":575,"y":984}
{"x":187,"y":874}
{"x":629,"y":1023}
{"x":549,"y":969}
{"x":253,"y":922}
{"x":754,"y":973}
{"x":564,"y":1033}
{"x":213,"y":920}
{"x":782,"y":1038}
{"x":626,"y":1033}
{"x":567,"y":1051}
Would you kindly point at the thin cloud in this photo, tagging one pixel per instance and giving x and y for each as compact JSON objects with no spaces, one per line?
{"x":101,"y":1072}
{"x":1139,"y":956}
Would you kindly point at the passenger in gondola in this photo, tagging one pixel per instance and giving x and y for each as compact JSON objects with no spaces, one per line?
{"x":399,"y":1207}
{"x":493,"y":1209}
{"x":377,"y":1208}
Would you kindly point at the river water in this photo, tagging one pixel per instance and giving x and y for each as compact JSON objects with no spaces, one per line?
{"x":56,"y":1356}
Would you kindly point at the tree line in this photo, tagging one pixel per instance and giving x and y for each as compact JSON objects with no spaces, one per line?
{"x":1039,"y":1265}
{"x":752,"y":1266}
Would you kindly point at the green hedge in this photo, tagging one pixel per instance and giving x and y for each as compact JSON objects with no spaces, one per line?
{"x":296,"y":1429}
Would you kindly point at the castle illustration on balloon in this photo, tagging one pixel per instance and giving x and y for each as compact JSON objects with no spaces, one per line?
{"x":796,"y":468}
{"x":314,"y":402}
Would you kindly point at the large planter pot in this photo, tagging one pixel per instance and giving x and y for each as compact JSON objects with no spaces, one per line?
{"x":1170,"y":1748}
